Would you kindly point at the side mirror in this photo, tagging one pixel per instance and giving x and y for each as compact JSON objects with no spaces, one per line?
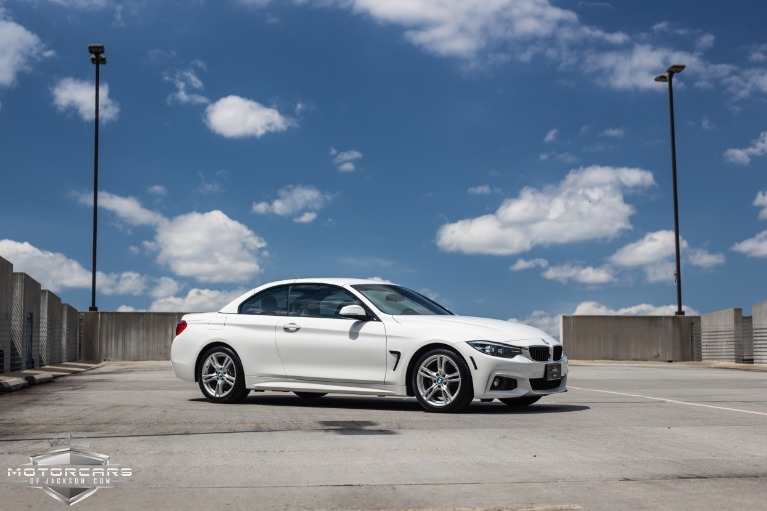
{"x":356,"y":312}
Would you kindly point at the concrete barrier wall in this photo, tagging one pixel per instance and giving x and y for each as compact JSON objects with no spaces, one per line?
{"x":723,"y":339}
{"x":661,"y":338}
{"x":759,"y":322}
{"x":70,"y":333}
{"x":35,"y":327}
{"x":6,"y":296}
{"x":50,"y":328}
{"x":128,"y":335}
{"x":25,"y":320}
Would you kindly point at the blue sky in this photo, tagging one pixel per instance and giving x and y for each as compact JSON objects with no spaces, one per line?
{"x":509,"y":158}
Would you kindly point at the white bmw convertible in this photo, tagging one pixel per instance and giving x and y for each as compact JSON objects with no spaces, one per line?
{"x":346,"y":336}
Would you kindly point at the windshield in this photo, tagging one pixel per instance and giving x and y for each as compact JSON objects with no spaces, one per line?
{"x":396,"y":300}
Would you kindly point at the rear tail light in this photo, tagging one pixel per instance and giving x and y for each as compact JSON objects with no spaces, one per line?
{"x":180,"y":327}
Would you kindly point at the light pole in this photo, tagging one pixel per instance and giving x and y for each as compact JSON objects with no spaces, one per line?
{"x":97,"y":58}
{"x":669,"y":78}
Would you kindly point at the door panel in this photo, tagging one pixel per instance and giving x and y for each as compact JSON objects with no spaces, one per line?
{"x":332,"y":349}
{"x":253,"y":338}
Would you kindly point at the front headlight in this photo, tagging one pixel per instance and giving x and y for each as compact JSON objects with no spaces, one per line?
{"x":495,"y":349}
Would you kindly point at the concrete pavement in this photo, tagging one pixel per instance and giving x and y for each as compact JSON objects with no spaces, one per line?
{"x":626,"y":436}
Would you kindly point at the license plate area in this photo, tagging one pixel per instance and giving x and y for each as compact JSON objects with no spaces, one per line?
{"x":553,"y":372}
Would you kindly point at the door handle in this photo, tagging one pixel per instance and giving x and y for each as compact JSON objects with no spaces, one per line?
{"x":291,"y":328}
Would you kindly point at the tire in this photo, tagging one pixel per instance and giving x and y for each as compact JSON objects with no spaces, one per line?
{"x":310,"y":395}
{"x":442,"y":382}
{"x":520,"y":401}
{"x":221,"y":377}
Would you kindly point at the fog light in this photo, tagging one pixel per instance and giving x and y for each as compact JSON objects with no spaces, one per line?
{"x":502,"y":383}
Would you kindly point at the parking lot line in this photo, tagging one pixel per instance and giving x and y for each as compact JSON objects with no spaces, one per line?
{"x":673,"y":401}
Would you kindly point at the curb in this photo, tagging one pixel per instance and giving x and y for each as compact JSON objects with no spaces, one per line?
{"x":18,"y":380}
{"x":10,"y":384}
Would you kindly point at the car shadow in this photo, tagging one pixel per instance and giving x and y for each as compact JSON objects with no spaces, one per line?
{"x":398,"y":404}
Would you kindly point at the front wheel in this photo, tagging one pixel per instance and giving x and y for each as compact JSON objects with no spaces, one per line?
{"x":442,"y":381}
{"x":220,"y":376}
{"x":520,"y":401}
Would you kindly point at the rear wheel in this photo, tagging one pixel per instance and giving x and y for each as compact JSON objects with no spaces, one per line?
{"x":520,"y":401}
{"x":310,"y":395}
{"x":442,"y":381}
{"x":220,"y":376}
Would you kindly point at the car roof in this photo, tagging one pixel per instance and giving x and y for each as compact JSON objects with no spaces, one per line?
{"x":232,"y":306}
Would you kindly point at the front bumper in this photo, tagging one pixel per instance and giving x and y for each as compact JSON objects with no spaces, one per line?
{"x":519,"y":377}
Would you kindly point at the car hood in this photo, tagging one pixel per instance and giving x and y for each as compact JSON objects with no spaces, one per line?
{"x":473,"y":328}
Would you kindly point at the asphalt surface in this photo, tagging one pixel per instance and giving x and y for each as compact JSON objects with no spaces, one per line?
{"x":624,"y":437}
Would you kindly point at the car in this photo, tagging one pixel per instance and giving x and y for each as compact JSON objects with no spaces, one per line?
{"x":315,"y":337}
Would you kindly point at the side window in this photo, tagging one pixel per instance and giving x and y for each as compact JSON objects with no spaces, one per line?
{"x":318,"y":300}
{"x":272,"y":302}
{"x":332,"y":304}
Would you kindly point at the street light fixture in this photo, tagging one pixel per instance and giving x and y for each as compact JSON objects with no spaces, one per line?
{"x":97,"y":58}
{"x":669,"y":78}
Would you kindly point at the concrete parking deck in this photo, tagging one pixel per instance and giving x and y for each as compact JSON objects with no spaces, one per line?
{"x":644,"y":436}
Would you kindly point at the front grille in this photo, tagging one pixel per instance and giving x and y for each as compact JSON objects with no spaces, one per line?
{"x":539,"y":353}
{"x":557,"y":352}
{"x":544,"y":384}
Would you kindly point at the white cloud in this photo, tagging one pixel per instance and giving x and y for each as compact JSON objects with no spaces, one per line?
{"x":525,"y":264}
{"x":756,"y":246}
{"x":581,"y":274}
{"x":551,"y":136}
{"x":643,"y":309}
{"x":196,"y":300}
{"x":81,"y":4}
{"x":53,"y":270}
{"x":753,"y":247}
{"x":462,"y":29}
{"x":303,"y":201}
{"x":18,"y":48}
{"x":125,"y":283}
{"x":758,"y":53}
{"x":744,"y":84}
{"x":705,"y":42}
{"x":587,"y":205}
{"x":254,"y":3}
{"x":306,"y":218}
{"x":236,"y":117}
{"x":549,"y":323}
{"x":158,"y":190}
{"x":57,"y":272}
{"x":129,"y":209}
{"x":613,"y":133}
{"x":79,"y":95}
{"x":660,"y":271}
{"x":212,"y":185}
{"x":209,"y":247}
{"x":188,"y":85}
{"x":165,"y":287}
{"x":761,"y":201}
{"x":345,"y":160}
{"x":636,"y":67}
{"x":654,"y":253}
{"x":743,"y":156}
{"x":654,"y":247}
{"x":704,"y":259}
{"x":480,"y":190}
